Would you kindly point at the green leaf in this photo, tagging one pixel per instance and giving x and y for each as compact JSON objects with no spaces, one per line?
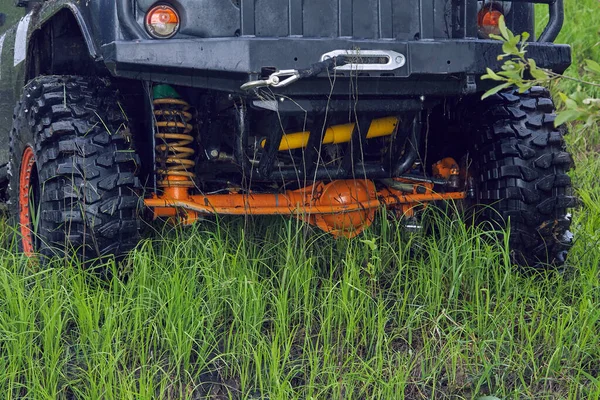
{"x":579,"y":96}
{"x":532,"y":63}
{"x":511,"y":66}
{"x":491,"y":75}
{"x":515,"y":75}
{"x":539,"y":75}
{"x":524,"y":86}
{"x":592,"y":120}
{"x":371,"y":243}
{"x":536,"y":72}
{"x":571,"y":104}
{"x":592,"y":66}
{"x":525,"y":36}
{"x":503,"y":29}
{"x":496,"y":37}
{"x":563,"y":97}
{"x":522,"y":50}
{"x":510,"y":48}
{"x":515,"y":40}
{"x":566,"y":116}
{"x":495,"y":90}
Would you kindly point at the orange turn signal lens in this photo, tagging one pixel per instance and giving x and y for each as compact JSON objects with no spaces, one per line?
{"x":162,"y":22}
{"x":488,"y":20}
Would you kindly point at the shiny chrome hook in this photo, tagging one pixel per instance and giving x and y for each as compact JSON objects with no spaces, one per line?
{"x":278,"y":79}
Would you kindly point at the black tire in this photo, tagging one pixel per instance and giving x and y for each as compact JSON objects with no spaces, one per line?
{"x":521,"y":166}
{"x":84,"y":182}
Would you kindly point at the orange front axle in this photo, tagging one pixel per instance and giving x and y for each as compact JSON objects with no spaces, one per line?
{"x":342,"y":208}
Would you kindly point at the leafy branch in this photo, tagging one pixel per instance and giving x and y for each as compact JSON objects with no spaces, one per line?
{"x":522,"y":72}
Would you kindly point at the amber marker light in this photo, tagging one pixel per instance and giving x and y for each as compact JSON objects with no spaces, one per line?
{"x":162,"y":22}
{"x":488,"y":20}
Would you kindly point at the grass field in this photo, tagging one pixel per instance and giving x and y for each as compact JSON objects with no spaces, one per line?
{"x":269,"y":311}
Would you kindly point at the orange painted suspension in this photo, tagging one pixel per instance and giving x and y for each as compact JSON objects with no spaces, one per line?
{"x":342,"y":208}
{"x":174,"y":154}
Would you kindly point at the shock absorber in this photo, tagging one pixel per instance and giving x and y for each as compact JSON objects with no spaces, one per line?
{"x":174,"y":153}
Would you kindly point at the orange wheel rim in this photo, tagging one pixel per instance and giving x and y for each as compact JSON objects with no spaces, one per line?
{"x":27,"y":169}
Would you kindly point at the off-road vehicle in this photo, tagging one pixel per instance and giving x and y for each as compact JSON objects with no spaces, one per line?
{"x":324,"y":110}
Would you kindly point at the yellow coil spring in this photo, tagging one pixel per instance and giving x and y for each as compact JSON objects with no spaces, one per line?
{"x":174,"y":156}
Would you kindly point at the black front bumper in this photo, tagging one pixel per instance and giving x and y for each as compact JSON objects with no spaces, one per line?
{"x":433,"y":67}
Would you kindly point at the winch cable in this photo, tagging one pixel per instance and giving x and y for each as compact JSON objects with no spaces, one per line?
{"x":284,"y":78}
{"x":328,"y":65}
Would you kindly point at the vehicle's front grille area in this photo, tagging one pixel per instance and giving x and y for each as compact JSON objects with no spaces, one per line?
{"x":359,"y":19}
{"x":404,"y":20}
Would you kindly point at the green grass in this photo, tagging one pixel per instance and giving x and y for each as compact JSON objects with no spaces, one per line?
{"x":581,"y":31}
{"x":12,"y":14}
{"x":274,"y":311}
{"x":282,"y":313}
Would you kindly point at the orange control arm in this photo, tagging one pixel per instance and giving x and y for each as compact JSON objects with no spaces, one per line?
{"x":289,"y":203}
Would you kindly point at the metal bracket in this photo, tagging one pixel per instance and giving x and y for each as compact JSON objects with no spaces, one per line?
{"x":367,"y":60}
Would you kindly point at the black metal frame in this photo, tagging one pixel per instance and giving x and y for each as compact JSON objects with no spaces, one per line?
{"x":437,"y":67}
{"x":128,"y":22}
{"x":434,"y":68}
{"x":556,"y":20}
{"x":402,"y":154}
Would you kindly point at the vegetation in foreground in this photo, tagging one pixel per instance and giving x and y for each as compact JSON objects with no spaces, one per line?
{"x":273,"y":311}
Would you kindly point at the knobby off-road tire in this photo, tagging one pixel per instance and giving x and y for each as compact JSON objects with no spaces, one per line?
{"x":521,"y":166}
{"x":83,"y":193}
